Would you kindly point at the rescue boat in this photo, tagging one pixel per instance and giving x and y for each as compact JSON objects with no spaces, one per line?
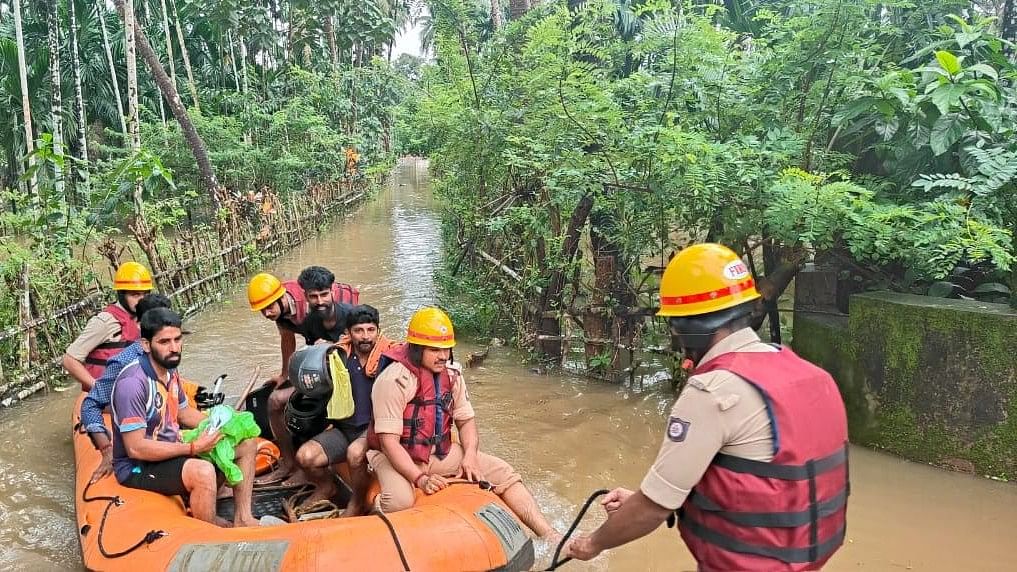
{"x":460,"y":528}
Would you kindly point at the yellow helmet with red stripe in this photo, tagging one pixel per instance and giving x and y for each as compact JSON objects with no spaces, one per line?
{"x":705,"y":278}
{"x":132,"y":277}
{"x":432,"y":328}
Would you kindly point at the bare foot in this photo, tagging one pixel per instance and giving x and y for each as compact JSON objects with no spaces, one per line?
{"x":241,"y":522}
{"x":352,"y":509}
{"x":324,"y":492}
{"x":281,"y":473}
{"x":222,"y":522}
{"x":297,"y":477}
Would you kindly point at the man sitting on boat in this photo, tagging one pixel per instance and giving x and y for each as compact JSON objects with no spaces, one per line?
{"x":345,"y":439}
{"x":149,"y":407}
{"x":416,"y":399}
{"x":289,"y":304}
{"x":98,"y":397}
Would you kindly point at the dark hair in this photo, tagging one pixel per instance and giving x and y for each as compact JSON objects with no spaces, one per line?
{"x":156,"y":319}
{"x":415,"y":353}
{"x":363,"y":314}
{"x":151,"y":301}
{"x":316,"y":278}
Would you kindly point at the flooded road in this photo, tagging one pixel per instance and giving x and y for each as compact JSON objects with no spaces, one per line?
{"x":567,"y":436}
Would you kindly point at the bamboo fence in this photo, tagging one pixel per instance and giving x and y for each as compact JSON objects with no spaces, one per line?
{"x":194,"y":268}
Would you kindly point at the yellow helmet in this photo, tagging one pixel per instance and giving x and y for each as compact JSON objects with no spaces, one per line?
{"x":432,"y":328}
{"x":705,"y":278}
{"x":132,"y":277}
{"x":263,"y":290}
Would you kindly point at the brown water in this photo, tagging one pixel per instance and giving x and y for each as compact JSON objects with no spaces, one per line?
{"x":567,"y":436}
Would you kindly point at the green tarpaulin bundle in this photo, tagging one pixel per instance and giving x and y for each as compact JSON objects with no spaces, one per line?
{"x":235,"y":427}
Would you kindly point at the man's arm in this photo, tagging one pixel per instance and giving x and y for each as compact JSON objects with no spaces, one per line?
{"x":190,"y":417}
{"x":287,"y":345}
{"x":76,"y":370}
{"x":399,"y":458}
{"x":468,"y":436}
{"x":637,"y":517}
{"x":142,"y":449}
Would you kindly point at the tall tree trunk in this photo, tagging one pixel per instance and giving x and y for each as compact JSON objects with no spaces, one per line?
{"x":233,"y":61}
{"x":517,"y":8}
{"x":126,"y":9}
{"x":169,"y":43}
{"x":333,"y":50}
{"x":57,"y":101}
{"x":243,"y":63}
{"x":496,"y":15}
{"x":194,"y":140}
{"x":100,"y":8}
{"x":81,"y":171}
{"x":1008,"y":27}
{"x":187,"y":58}
{"x":26,"y":106}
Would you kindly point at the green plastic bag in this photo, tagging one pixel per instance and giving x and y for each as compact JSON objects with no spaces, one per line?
{"x":235,"y":427}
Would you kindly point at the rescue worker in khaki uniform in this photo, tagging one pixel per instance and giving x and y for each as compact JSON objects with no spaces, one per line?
{"x":416,"y":400}
{"x":110,"y":331}
{"x":754,"y":458}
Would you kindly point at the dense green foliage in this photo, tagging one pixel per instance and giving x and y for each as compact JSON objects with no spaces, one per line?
{"x":283,"y":91}
{"x":877,"y":137}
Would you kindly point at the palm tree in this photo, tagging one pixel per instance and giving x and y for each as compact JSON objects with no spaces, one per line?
{"x":56,"y":107}
{"x":169,"y":92}
{"x":187,"y":59}
{"x":26,"y":106}
{"x":100,"y":9}
{"x":79,"y":100}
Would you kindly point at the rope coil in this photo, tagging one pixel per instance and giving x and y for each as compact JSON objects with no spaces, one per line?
{"x":112,"y":501}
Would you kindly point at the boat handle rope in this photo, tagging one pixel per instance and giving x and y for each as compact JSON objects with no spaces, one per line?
{"x":555,"y":563}
{"x":483,"y":485}
{"x":150,"y":537}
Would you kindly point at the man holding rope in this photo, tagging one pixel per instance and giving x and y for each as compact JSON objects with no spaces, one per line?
{"x":754,"y":458}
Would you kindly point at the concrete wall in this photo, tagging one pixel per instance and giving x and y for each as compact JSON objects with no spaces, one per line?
{"x":928,"y":378}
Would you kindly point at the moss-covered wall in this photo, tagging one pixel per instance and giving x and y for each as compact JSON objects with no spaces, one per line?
{"x":930,"y":379}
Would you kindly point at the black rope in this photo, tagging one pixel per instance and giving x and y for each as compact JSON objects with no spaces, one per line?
{"x":150,"y":537}
{"x":395,"y":539}
{"x":575,"y":524}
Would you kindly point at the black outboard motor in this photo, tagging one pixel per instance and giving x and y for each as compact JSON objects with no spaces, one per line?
{"x":207,"y":400}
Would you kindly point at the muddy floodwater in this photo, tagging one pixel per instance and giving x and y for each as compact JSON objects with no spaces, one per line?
{"x":566,"y":436}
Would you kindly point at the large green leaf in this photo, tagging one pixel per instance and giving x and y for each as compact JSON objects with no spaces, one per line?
{"x":948,"y":62}
{"x":946,"y":131}
{"x":946,"y":96}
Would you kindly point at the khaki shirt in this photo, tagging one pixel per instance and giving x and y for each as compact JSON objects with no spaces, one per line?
{"x":717,"y":412}
{"x":396,"y":386}
{"x":101,"y":328}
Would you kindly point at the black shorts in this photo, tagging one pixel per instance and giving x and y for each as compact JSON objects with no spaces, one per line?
{"x":337,"y":439}
{"x":163,"y":477}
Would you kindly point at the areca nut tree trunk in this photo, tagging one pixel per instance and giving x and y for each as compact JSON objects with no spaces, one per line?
{"x":496,"y":15}
{"x":57,"y":101}
{"x":169,"y":43}
{"x":100,"y":9}
{"x":187,"y":58}
{"x":26,"y":106}
{"x":169,"y":91}
{"x":333,"y":50}
{"x":81,"y":173}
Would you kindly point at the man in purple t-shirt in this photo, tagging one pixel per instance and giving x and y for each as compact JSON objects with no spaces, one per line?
{"x":149,"y":406}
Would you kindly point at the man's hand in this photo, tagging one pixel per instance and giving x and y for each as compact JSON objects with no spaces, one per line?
{"x":434,"y":483}
{"x":105,"y":466}
{"x":613,"y":500}
{"x":206,"y":442}
{"x":470,"y":468}
{"x":581,"y":548}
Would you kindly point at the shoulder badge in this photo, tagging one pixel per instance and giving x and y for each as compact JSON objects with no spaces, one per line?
{"x":677,"y":429}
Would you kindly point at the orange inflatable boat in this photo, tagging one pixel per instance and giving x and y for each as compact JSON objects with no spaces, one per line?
{"x":461,"y":528}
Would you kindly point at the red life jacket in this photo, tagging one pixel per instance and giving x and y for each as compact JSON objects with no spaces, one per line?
{"x":787,"y":514}
{"x":422,"y":428}
{"x":95,"y":361}
{"x":341,"y":294}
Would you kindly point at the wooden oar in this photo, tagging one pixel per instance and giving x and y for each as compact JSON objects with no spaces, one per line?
{"x":250,"y":384}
